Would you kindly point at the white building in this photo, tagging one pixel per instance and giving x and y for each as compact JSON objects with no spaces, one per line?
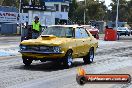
{"x":61,"y":9}
{"x":55,"y":12}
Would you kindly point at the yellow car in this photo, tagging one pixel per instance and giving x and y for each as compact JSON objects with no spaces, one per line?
{"x":60,"y":43}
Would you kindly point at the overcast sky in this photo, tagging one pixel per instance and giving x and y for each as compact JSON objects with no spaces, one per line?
{"x":107,"y":2}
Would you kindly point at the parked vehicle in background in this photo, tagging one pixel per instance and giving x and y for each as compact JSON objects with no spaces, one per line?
{"x":131,"y":30}
{"x":60,"y":43}
{"x":93,"y":30}
{"x":123,"y":31}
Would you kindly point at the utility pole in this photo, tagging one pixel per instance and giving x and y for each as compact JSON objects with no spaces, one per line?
{"x":20,"y":14}
{"x":85,"y":12}
{"x":117,"y":14}
{"x":20,"y":17}
{"x":19,"y":7}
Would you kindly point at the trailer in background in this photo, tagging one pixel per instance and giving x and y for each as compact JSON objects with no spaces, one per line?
{"x":99,"y":25}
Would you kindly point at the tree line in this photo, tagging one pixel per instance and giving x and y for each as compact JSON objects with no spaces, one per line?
{"x":95,"y":10}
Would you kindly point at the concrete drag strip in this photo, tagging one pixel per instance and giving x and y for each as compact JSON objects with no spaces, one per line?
{"x":58,"y":81}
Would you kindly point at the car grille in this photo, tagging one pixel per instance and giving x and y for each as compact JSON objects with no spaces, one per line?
{"x":46,"y":48}
{"x":34,"y":48}
{"x":40,"y":48}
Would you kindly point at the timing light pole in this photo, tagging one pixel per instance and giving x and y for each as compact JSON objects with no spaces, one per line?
{"x":117,"y":14}
{"x":85,"y":12}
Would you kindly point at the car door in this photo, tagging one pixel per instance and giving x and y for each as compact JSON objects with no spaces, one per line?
{"x":70,"y":33}
{"x":79,"y":42}
{"x":86,"y":41}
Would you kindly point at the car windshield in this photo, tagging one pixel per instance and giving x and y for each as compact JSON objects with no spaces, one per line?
{"x":58,"y":31}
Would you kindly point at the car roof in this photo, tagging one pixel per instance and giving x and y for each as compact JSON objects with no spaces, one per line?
{"x":74,"y":26}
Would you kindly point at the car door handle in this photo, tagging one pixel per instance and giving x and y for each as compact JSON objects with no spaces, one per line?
{"x":90,"y":39}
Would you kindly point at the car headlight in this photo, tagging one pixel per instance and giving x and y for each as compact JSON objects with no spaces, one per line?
{"x":56,"y":49}
{"x":22,"y":47}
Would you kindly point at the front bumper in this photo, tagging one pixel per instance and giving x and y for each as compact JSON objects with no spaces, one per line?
{"x":42,"y":55}
{"x":39,"y":52}
{"x":122,"y":32}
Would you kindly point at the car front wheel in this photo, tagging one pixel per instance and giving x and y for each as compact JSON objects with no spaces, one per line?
{"x":68,"y":60}
{"x":27,"y":61}
{"x":89,"y":57}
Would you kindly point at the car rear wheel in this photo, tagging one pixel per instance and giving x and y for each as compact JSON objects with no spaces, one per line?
{"x":68,"y":60}
{"x":27,"y":61}
{"x":89,"y":57}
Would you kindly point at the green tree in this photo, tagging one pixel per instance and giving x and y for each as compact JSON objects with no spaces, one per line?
{"x":14,"y":3}
{"x":124,"y":10}
{"x":129,"y":8}
{"x":95,"y":10}
{"x":72,"y":10}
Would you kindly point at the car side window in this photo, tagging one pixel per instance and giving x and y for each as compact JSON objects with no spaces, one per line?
{"x":81,"y":33}
{"x":78,"y":33}
{"x":69,"y":33}
{"x":84,"y":33}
